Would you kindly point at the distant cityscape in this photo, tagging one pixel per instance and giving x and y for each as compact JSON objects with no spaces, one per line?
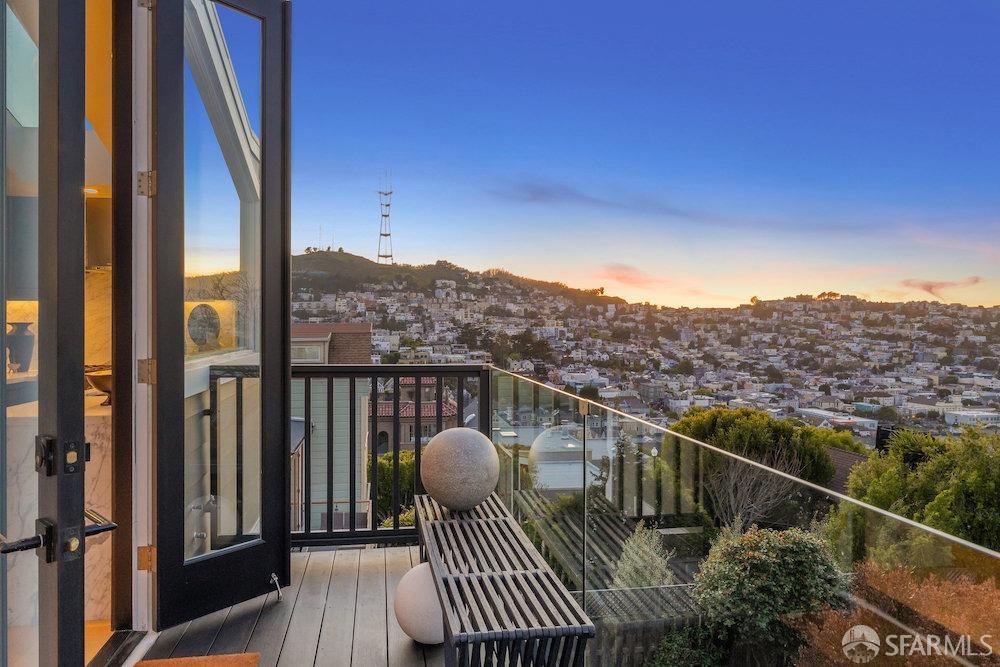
{"x":830,"y":360}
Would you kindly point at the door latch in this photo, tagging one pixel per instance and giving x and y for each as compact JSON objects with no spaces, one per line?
{"x":48,"y":455}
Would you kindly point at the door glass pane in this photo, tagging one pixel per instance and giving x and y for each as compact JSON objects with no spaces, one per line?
{"x":97,"y":321}
{"x":19,"y":333}
{"x":222,"y":236}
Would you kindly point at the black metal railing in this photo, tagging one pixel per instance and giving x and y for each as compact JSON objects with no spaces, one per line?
{"x":217,"y":375}
{"x":356,"y":467}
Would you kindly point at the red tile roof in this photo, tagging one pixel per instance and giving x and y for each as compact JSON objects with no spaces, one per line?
{"x":407,"y":409}
{"x":305,"y":329}
{"x":425,"y":380}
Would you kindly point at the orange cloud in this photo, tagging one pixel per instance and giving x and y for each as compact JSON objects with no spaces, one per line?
{"x":934,"y":287}
{"x":629,"y":275}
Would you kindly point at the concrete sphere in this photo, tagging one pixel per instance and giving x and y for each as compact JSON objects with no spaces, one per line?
{"x":418,"y":610}
{"x":459,"y":468}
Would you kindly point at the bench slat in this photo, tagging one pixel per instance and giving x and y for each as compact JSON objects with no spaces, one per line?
{"x":502,"y":602}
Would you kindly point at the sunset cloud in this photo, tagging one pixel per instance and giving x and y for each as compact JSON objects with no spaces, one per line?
{"x":935,"y":287}
{"x":538,"y":190}
{"x":626,"y":274}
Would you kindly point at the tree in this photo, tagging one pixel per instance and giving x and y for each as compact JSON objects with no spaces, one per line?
{"x":951,"y":484}
{"x":826,"y":389}
{"x":741,"y":494}
{"x":683,"y":367}
{"x":645,"y":562}
{"x":774,"y":374}
{"x":759,"y":436}
{"x":590,"y":392}
{"x":987,"y":364}
{"x":530,"y":346}
{"x":887,"y":413}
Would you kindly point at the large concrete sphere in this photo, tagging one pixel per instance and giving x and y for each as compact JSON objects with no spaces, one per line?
{"x":459,"y":468}
{"x":418,"y":610}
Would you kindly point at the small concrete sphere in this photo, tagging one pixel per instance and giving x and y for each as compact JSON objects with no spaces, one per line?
{"x":418,"y":610}
{"x":459,"y":468}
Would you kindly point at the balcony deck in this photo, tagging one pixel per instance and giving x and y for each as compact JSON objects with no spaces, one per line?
{"x":337,"y":611}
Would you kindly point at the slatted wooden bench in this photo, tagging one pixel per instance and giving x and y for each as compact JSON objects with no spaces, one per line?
{"x":502,"y":603}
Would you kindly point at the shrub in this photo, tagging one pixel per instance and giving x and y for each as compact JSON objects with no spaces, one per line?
{"x":407,"y":517}
{"x":752,"y":582}
{"x":406,"y":471}
{"x":691,"y":646}
{"x":644,"y":562}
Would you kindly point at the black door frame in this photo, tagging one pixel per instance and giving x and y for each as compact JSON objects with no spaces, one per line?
{"x":61,"y":73}
{"x":188,"y":590}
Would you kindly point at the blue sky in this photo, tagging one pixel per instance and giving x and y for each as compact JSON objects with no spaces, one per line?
{"x":685,"y":153}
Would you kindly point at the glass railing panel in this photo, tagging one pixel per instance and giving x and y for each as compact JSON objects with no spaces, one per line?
{"x":686,"y":545}
{"x":540,"y":437}
{"x":644,"y":537}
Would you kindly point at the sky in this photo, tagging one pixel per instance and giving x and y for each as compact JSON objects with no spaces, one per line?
{"x":685,"y":153}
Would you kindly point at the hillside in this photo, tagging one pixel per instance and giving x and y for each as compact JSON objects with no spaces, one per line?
{"x":339,"y":271}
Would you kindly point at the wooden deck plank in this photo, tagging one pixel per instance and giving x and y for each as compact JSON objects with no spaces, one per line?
{"x":402,"y":650}
{"x":370,"y":613}
{"x":234,"y":635}
{"x":269,"y":633}
{"x":200,"y":635}
{"x":336,"y":637}
{"x":302,"y":638}
{"x":165,"y":642}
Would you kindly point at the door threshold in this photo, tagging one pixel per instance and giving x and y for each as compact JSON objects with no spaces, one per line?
{"x":118,"y":649}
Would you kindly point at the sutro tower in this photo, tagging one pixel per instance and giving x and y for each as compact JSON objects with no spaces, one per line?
{"x":385,"y":233}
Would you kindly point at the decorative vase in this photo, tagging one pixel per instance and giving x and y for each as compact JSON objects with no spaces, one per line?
{"x":459,"y":468}
{"x":20,"y":346}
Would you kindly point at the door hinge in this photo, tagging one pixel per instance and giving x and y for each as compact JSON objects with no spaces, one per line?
{"x":145,"y":557}
{"x":146,"y":183}
{"x":147,"y":4}
{"x":146,"y":371}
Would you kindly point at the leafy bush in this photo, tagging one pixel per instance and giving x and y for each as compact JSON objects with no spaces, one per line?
{"x":407,"y":517}
{"x":691,"y":647}
{"x":752,"y":582}
{"x":406,"y":471}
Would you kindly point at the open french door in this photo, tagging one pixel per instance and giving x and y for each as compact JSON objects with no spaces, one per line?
{"x":221,"y":294}
{"x":42,"y":442}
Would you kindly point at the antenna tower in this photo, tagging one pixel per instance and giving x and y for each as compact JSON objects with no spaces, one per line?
{"x":385,"y":232}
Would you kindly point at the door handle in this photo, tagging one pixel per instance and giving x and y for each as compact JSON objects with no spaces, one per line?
{"x":27,"y":544}
{"x":100,"y":523}
{"x":45,"y":534}
{"x":44,"y":537}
